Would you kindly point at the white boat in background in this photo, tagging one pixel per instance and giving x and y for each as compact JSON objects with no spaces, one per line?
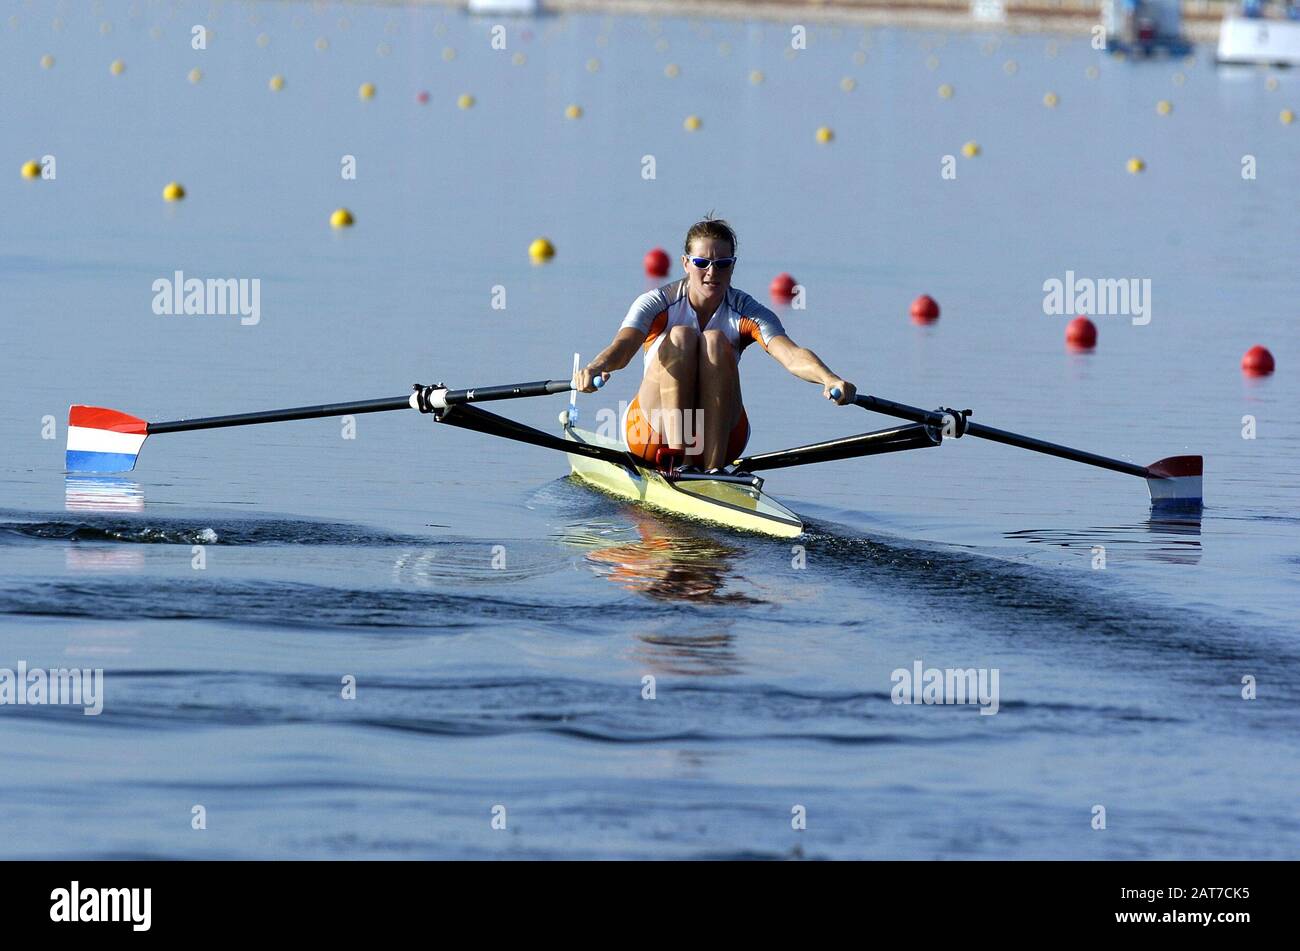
{"x":1258,"y":39}
{"x":521,"y":8}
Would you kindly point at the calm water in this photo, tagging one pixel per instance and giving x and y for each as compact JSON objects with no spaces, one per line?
{"x":521,"y":686}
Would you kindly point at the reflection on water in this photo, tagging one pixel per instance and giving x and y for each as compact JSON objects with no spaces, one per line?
{"x":1170,"y":538}
{"x":103,"y":558}
{"x":102,"y":494}
{"x":694,"y":654}
{"x":664,"y":559}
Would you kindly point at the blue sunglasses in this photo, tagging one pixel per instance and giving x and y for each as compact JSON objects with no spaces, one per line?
{"x":722,"y":264}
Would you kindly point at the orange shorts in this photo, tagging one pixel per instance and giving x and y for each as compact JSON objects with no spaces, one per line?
{"x":644,"y":441}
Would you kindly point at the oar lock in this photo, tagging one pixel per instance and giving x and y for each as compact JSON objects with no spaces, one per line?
{"x":947,"y":422}
{"x":428,"y":399}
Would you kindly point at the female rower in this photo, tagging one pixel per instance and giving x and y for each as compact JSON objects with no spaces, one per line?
{"x":688,"y":412}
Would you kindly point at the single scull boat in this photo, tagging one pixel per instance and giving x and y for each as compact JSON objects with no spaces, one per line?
{"x":104,"y":440}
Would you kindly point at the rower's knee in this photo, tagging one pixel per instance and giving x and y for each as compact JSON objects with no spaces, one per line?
{"x":717,"y":348}
{"x":680,"y":347}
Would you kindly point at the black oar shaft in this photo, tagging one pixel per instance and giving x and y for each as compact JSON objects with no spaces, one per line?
{"x":484,"y":394}
{"x":480,"y":394}
{"x":936,"y":418}
{"x":282,"y":415}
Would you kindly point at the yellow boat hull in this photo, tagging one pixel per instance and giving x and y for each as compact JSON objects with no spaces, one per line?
{"x":728,"y":504}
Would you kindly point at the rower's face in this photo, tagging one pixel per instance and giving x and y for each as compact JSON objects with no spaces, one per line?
{"x":713,"y":282}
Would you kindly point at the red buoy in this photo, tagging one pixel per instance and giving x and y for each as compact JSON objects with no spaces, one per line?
{"x":1081,"y":334}
{"x":1257,"y":361}
{"x":422,"y":97}
{"x":925,"y":310}
{"x":657,"y":263}
{"x":782,"y":287}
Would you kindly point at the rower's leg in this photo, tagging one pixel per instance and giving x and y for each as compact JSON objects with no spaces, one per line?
{"x":669,"y":385}
{"x":719,"y":396}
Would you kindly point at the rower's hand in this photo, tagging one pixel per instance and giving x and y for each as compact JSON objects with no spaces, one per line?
{"x":584,"y":380}
{"x":844,"y":391}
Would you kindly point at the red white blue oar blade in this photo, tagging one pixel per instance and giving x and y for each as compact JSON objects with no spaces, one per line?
{"x":103,"y":440}
{"x":1176,"y":481}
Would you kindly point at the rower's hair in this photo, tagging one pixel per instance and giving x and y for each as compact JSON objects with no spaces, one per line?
{"x":710,"y":227}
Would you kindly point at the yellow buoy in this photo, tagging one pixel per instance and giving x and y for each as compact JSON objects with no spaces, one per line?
{"x":692,"y":123}
{"x":173,"y":191}
{"x":1287,"y":116}
{"x":47,"y":61}
{"x":824,"y":134}
{"x":1136,"y":166}
{"x":342,"y":218}
{"x":593,"y":65}
{"x":574,"y":111}
{"x":322,"y":44}
{"x":367,"y":91}
{"x":196,"y":75}
{"x":466,"y":101}
{"x":1092,"y":72}
{"x":945,"y":91}
{"x":31,"y":170}
{"x":263,"y":40}
{"x":1164,"y":107}
{"x":117,"y":67}
{"x":1010,"y":67}
{"x":519,"y":59}
{"x":970,"y":149}
{"x":448,"y":54}
{"x":756,"y":76}
{"x":541,"y":250}
{"x":1271,"y":84}
{"x":276,"y":83}
{"x":1050,"y":100}
{"x":932,"y":62}
{"x":672,"y":70}
{"x":848,"y":84}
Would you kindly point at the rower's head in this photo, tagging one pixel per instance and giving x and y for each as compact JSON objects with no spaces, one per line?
{"x":710,"y":242}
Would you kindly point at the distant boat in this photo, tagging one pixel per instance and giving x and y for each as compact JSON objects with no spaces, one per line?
{"x":503,"y":7}
{"x":1252,"y":38}
{"x":1144,"y":27}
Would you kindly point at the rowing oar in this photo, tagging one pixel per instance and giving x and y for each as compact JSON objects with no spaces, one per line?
{"x":108,"y":440}
{"x":1175,"y":481}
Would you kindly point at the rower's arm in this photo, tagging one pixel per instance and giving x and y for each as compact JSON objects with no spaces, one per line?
{"x":806,"y":365}
{"x":616,"y":356}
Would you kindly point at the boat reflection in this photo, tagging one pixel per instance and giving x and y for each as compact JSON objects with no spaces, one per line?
{"x":660,"y":558}
{"x":1172,"y":538}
